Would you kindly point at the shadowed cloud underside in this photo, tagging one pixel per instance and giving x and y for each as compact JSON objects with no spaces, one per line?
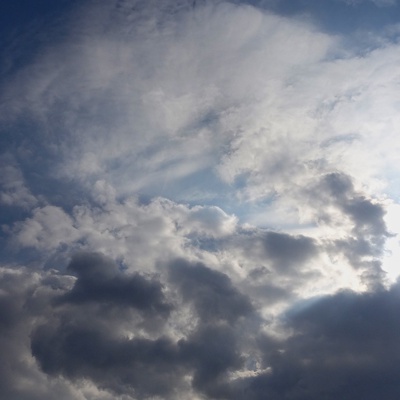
{"x":199,"y":200}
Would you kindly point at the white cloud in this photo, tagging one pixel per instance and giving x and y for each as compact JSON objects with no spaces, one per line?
{"x":253,"y":151}
{"x":262,"y":104}
{"x":170,"y":108}
{"x":257,"y":97}
{"x":47,"y":229}
{"x":13,"y":189}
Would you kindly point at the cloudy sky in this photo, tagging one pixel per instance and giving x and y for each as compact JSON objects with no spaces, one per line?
{"x":200,"y":199}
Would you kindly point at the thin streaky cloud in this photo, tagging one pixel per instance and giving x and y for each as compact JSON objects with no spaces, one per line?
{"x":199,"y":200}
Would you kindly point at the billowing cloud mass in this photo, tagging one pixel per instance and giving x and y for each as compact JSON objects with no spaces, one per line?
{"x":199,"y":200}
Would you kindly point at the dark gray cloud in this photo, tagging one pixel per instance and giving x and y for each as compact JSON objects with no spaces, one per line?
{"x":343,"y":346}
{"x":366,"y":215}
{"x":103,"y":329}
{"x":99,"y":280}
{"x":23,"y":298}
{"x":212,"y":293}
{"x":79,"y":340}
{"x":212,"y":351}
{"x":340,"y":346}
{"x":11,"y":333}
{"x":155,"y":130}
{"x":289,"y":251}
{"x":138,"y":367}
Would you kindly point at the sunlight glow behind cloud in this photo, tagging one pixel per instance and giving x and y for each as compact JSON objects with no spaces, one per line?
{"x":200,"y":200}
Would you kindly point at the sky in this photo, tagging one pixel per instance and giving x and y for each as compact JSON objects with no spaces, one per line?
{"x":199,"y":199}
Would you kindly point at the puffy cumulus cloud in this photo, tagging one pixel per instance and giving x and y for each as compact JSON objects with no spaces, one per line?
{"x":344,"y":344}
{"x":47,"y":229}
{"x":83,"y":338}
{"x":208,"y":221}
{"x":343,"y":248}
{"x":24,"y":296}
{"x":127,"y":229}
{"x":197,"y":202}
{"x":202,"y":110}
{"x":71,"y":345}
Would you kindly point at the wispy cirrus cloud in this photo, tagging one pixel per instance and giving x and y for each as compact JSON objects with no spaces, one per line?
{"x":199,"y":202}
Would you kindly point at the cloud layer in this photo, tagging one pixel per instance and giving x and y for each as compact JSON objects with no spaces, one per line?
{"x":200,"y":201}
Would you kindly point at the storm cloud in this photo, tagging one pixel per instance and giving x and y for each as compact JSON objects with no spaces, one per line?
{"x":344,"y":345}
{"x":100,"y":281}
{"x":212,"y":293}
{"x":199,"y":200}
